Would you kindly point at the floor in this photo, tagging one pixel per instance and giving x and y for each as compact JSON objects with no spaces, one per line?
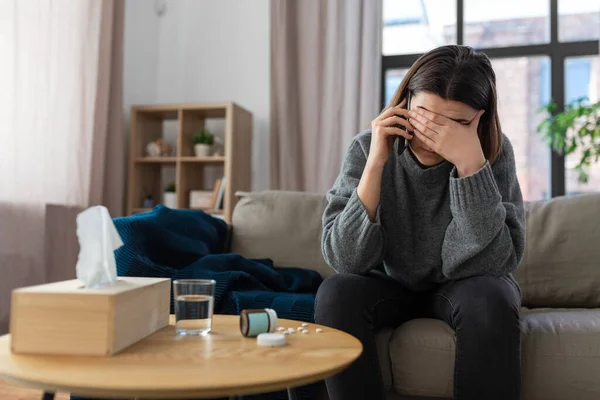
{"x":9,"y":391}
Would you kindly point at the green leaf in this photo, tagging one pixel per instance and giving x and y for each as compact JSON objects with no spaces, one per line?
{"x":553,"y":130}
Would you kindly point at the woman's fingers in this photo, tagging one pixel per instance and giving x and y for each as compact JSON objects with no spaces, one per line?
{"x":425,"y":139}
{"x":388,"y":112}
{"x":431,"y":119}
{"x":393,"y":131}
{"x":402,"y":112}
{"x":424,"y":122}
{"x":396,"y":120}
{"x":425,"y":130}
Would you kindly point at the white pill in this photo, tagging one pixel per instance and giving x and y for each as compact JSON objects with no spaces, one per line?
{"x":305,"y":324}
{"x":291,"y":330}
{"x":319,"y":330}
{"x":281,"y":329}
{"x":304,"y":330}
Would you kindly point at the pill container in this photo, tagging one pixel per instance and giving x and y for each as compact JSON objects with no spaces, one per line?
{"x":255,"y":322}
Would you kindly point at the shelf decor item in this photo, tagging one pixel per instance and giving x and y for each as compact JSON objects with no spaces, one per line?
{"x":201,"y":199}
{"x":218,"y":147}
{"x":148,"y":201}
{"x":215,"y":193}
{"x":170,"y":196}
{"x":203,"y":141}
{"x":220,"y":194}
{"x":158,"y":148}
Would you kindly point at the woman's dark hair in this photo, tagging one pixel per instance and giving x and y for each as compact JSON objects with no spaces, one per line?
{"x":458,"y":73}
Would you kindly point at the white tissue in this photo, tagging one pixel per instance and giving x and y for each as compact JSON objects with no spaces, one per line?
{"x":98,"y":239}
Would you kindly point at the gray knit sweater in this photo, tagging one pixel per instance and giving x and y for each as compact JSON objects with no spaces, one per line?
{"x":431,"y":226}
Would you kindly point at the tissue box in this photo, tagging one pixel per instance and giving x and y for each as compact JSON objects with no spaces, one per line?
{"x":65,"y":318}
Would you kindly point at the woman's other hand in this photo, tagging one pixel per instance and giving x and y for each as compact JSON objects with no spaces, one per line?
{"x":456,"y":142}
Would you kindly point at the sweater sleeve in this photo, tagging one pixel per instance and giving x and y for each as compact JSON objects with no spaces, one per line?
{"x":487,"y":233}
{"x":351,"y":243}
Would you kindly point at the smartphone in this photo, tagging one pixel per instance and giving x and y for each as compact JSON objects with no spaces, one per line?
{"x":402,"y":141}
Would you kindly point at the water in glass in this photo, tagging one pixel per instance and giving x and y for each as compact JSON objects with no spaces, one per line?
{"x":193,"y":313}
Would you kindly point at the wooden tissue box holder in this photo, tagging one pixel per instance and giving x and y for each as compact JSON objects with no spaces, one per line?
{"x":64,"y":318}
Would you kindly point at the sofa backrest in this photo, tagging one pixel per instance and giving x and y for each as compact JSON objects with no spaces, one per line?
{"x":561,"y":264}
{"x":283,"y":226}
{"x":560,"y":268}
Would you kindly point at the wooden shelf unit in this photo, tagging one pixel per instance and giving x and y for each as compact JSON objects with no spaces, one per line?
{"x":145,"y":173}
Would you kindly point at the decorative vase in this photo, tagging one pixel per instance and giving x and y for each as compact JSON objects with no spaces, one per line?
{"x":170,"y":199}
{"x":202,"y":150}
{"x":148,"y":202}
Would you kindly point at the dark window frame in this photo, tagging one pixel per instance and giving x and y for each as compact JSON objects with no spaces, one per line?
{"x":557,"y":51}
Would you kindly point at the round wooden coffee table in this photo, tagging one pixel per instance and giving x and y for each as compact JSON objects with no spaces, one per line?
{"x":166,"y":365}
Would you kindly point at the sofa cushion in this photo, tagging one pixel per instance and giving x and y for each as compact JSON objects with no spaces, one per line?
{"x":283,"y":226}
{"x":560,"y":356}
{"x":561,"y":264}
{"x":422,"y":354}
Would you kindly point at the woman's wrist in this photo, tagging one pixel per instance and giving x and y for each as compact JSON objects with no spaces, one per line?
{"x":374,"y":165}
{"x":369,"y":187}
{"x":470,"y":166}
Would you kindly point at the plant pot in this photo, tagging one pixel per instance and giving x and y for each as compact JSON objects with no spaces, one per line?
{"x":202,"y":150}
{"x":170,"y":199}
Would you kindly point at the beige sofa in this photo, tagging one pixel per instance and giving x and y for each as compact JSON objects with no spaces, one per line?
{"x":559,"y":277}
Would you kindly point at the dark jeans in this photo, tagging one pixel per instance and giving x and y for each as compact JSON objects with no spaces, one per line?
{"x":482,"y":310}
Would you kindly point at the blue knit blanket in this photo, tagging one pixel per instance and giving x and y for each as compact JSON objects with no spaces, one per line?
{"x":180,"y":244}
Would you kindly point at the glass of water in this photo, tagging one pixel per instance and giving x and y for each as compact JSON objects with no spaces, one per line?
{"x":194,"y":301}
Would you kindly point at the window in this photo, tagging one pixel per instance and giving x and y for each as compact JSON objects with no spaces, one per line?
{"x":523,"y":87}
{"x":393,"y":77}
{"x":506,"y":22}
{"x":540,"y":50}
{"x":581,"y":80}
{"x":415,"y":26}
{"x":578,"y":20}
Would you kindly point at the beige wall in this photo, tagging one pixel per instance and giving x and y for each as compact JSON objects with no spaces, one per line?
{"x":202,"y":51}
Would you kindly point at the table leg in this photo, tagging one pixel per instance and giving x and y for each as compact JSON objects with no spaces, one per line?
{"x":48,"y":396}
{"x":292,"y":395}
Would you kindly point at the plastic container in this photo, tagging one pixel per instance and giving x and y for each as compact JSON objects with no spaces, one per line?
{"x":255,"y":322}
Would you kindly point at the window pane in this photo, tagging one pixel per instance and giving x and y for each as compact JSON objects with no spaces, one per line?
{"x":578,"y":20}
{"x":506,"y":23}
{"x":393,"y":77}
{"x":523,"y":87}
{"x":416,"y":26}
{"x":581,"y":80}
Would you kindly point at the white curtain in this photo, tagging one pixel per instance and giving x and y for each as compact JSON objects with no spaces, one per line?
{"x":60,"y":121}
{"x":325,"y":86}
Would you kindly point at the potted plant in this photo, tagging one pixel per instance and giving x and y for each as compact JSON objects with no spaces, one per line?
{"x":169,"y":196}
{"x":203,"y":141}
{"x":576,"y":130}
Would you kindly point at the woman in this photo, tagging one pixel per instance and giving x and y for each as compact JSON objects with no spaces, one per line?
{"x":426,"y":220}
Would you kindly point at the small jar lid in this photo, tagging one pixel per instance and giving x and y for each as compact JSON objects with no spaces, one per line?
{"x":272,"y":318}
{"x":271,"y":339}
